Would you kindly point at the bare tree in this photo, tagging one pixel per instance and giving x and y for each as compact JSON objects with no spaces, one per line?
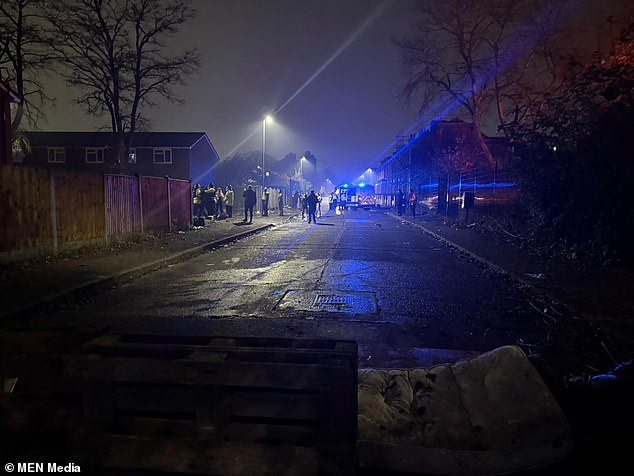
{"x":118,"y":55}
{"x":24,"y":56}
{"x":474,"y":54}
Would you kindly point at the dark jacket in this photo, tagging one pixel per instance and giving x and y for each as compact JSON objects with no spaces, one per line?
{"x":249,"y":198}
{"x":311,"y":201}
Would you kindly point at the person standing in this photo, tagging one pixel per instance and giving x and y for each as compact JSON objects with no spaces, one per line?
{"x":311,"y":203}
{"x":265,"y":202}
{"x":280,"y":202}
{"x":220,"y":198}
{"x":209,"y":200}
{"x":199,"y":209}
{"x":412,"y":202}
{"x":400,"y":202}
{"x":229,"y":197}
{"x":249,"y":203}
{"x":304,"y":206}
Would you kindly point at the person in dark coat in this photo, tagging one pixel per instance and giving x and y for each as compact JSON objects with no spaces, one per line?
{"x":400,"y":202}
{"x":280,"y":202}
{"x":249,"y":202}
{"x":304,"y":206}
{"x":209,"y":200}
{"x":311,"y":203}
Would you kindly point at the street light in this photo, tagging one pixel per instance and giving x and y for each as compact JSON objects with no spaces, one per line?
{"x":301,"y":173}
{"x":266,"y":119}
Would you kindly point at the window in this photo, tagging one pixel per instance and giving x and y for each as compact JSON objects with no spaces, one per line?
{"x":94,"y":155}
{"x":132,"y":156}
{"x":56,"y":155}
{"x":162,"y":156}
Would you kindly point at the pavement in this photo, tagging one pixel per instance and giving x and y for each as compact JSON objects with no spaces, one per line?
{"x":602,"y":297}
{"x":29,"y":286}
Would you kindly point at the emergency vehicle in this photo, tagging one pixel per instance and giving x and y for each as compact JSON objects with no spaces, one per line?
{"x":354,"y":196}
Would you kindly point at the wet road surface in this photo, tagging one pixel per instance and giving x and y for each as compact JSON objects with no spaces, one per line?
{"x":359,"y":275}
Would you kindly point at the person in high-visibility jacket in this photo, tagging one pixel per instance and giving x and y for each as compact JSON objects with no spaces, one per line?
{"x":265,"y":202}
{"x":199,"y":209}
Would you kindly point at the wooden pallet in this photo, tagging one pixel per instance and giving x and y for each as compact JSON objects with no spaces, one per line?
{"x":38,"y":403}
{"x":217,"y":405}
{"x":33,"y":359}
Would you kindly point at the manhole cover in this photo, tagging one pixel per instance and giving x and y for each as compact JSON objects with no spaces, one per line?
{"x":353,"y":302}
{"x":332,"y":300}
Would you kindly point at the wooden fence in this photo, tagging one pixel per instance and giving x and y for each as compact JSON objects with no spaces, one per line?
{"x":46,"y":211}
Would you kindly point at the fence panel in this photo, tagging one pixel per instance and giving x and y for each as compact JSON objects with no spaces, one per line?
{"x":506,"y":189}
{"x":180,"y":204}
{"x":25,"y":209}
{"x":428,"y":192}
{"x":122,"y":205}
{"x":154,"y":195}
{"x":79,"y":205}
{"x":492,"y":190}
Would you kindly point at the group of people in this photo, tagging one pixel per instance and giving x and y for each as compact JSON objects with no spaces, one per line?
{"x":213,"y":201}
{"x":250,"y":201}
{"x":401,"y":202}
{"x":310,"y":203}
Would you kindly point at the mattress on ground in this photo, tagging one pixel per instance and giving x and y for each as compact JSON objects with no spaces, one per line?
{"x":491,"y":414}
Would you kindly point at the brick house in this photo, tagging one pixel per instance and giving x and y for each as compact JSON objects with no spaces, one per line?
{"x":431,"y":160}
{"x":445,"y":146}
{"x":181,"y":155}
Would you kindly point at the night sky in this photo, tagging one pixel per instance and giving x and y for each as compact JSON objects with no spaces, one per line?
{"x":328,"y":70}
{"x":258,"y":56}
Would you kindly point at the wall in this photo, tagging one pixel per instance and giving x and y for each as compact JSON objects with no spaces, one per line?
{"x":76,"y":160}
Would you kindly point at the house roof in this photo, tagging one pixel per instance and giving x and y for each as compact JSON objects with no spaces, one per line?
{"x":443,"y":131}
{"x":110,"y":139}
{"x":451,"y":132}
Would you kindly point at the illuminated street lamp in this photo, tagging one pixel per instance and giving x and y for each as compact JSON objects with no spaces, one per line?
{"x":266,"y":119}
{"x":367,"y":176}
{"x":301,"y":172}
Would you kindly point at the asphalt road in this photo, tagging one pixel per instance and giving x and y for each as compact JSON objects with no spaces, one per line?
{"x":358,"y":275}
